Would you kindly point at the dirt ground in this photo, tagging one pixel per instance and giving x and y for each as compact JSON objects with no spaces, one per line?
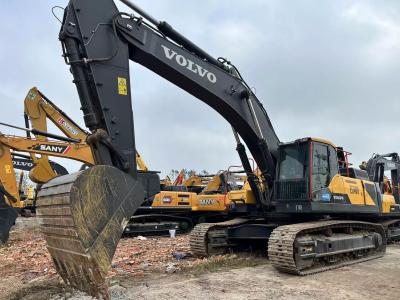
{"x":146,"y":269}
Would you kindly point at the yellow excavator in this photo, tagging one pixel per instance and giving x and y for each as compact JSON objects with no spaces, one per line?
{"x":10,"y":200}
{"x":198,"y":199}
{"x":38,"y":108}
{"x":40,"y":168}
{"x":315,"y":211}
{"x":24,"y":163}
{"x":182,"y":215}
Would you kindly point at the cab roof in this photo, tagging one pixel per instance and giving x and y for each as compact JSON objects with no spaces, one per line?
{"x":313,"y":139}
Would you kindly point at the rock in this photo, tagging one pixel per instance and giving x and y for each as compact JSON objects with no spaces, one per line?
{"x":141,"y":238}
{"x":145,"y":265}
{"x":118,"y":292}
{"x":181,"y":255}
{"x":171,"y":268}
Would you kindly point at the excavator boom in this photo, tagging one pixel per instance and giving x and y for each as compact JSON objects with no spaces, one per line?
{"x":98,"y":41}
{"x":38,"y":109}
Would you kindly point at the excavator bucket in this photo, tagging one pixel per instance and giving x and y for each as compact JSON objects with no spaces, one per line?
{"x":8,"y":215}
{"x":82,"y":217}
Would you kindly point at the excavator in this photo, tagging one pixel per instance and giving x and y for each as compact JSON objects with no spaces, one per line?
{"x":23,"y":202}
{"x":10,"y":200}
{"x":38,"y":109}
{"x":41,"y":170}
{"x":376,"y":167}
{"x":23,"y":163}
{"x":314,"y":217}
{"x":180,"y":207}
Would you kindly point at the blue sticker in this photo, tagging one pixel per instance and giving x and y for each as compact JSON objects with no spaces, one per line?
{"x":326,"y":197}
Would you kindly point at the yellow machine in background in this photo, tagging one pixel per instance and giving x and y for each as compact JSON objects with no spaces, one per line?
{"x":8,"y":143}
{"x":219,"y":193}
{"x":180,"y":209}
{"x":38,"y":108}
{"x":8,"y":181}
{"x":230,"y":201}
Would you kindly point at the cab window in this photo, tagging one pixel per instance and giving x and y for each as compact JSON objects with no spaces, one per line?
{"x":292,"y":164}
{"x":333,"y":162}
{"x":320,"y":167}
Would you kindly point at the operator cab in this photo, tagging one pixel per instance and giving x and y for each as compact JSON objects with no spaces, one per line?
{"x":313,"y":175}
{"x":296,"y":180}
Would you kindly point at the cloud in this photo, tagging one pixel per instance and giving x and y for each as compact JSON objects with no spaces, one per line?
{"x":385,"y":43}
{"x":321,"y":68}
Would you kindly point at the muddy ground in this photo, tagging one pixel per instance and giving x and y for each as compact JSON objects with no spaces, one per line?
{"x":146,"y":269}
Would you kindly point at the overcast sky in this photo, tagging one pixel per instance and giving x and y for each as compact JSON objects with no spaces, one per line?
{"x":322,"y":68}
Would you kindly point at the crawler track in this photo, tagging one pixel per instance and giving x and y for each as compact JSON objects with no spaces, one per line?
{"x":284,"y":256}
{"x":157,"y":225}
{"x":199,"y":240}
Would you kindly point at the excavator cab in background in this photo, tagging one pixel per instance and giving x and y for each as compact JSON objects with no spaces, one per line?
{"x":376,"y":167}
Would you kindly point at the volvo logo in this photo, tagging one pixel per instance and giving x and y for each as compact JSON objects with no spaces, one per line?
{"x":20,"y":163}
{"x":188,"y":64}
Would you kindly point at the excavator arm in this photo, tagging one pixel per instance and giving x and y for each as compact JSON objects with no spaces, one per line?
{"x":98,"y":42}
{"x":76,"y":151}
{"x":38,"y":109}
{"x":25,"y":163}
